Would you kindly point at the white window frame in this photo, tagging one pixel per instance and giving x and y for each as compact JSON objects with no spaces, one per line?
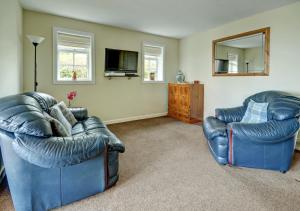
{"x":56,"y":30}
{"x":154,"y":44}
{"x":236,"y":60}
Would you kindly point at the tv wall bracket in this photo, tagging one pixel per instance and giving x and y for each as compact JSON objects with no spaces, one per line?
{"x":121,"y":75}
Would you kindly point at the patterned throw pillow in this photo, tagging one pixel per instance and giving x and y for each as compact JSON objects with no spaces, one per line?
{"x":256,"y":112}
{"x":67,"y":113}
{"x":56,"y":113}
{"x":57,"y":128}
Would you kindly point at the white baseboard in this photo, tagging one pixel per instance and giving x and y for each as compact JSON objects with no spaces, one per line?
{"x":129,"y":119}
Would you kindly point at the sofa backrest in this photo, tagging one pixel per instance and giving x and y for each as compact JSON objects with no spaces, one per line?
{"x":23,"y":114}
{"x":46,"y":101}
{"x":264,"y":97}
{"x":281,"y":105}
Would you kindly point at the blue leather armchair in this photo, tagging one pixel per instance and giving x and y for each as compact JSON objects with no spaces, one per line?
{"x":268,"y":145}
{"x":44,"y":171}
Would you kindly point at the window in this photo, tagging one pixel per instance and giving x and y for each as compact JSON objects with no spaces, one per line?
{"x":153,"y":62}
{"x":73,"y":56}
{"x":233,"y":63}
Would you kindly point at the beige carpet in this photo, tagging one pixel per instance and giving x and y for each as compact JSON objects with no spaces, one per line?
{"x":167,"y":166}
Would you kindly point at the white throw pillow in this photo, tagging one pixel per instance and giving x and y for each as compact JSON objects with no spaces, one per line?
{"x":67,"y":113}
{"x":56,"y":113}
{"x":256,"y":112}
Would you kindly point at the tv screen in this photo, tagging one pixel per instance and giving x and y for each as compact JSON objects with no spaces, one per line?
{"x":120,"y":61}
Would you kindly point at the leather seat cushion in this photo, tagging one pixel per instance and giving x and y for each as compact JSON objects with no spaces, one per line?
{"x":90,"y":125}
{"x":93,"y":125}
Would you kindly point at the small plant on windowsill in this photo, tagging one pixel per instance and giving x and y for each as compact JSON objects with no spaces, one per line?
{"x":152,"y":76}
{"x":70,"y":96}
{"x":74,"y":75}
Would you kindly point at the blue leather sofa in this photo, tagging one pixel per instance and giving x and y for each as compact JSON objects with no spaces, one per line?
{"x":44,"y":171}
{"x":267,"y":145}
{"x":2,"y":172}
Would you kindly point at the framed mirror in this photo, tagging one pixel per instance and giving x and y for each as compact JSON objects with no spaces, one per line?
{"x":245,"y":54}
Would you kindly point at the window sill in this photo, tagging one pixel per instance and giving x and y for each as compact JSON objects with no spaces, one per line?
{"x":74,"y":82}
{"x":154,"y":82}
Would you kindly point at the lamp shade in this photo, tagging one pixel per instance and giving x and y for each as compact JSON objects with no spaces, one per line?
{"x":35,"y":39}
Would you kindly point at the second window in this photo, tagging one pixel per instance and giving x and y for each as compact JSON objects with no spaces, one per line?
{"x":153,"y":62}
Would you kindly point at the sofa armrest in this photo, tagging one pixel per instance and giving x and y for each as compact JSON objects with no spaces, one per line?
{"x":214,"y":127}
{"x":230,"y":114}
{"x":269,"y":132}
{"x":56,"y":152}
{"x":114,"y":144}
{"x":79,"y":113}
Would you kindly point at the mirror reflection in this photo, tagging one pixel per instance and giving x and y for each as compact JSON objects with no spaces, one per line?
{"x":243,"y":55}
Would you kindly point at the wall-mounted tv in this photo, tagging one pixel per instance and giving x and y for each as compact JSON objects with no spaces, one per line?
{"x":121,"y":61}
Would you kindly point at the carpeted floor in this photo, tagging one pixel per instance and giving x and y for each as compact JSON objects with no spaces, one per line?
{"x":167,"y":166}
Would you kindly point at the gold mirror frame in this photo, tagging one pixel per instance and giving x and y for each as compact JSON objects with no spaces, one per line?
{"x":266,"y":32}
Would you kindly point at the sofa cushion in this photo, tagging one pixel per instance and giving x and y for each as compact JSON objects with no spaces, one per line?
{"x":79,"y":113}
{"x":256,"y":112}
{"x":90,"y":125}
{"x":264,"y":97}
{"x":23,"y":114}
{"x":284,"y":108}
{"x":46,"y":101}
{"x":93,"y":125}
{"x":56,"y":113}
{"x":56,"y":152}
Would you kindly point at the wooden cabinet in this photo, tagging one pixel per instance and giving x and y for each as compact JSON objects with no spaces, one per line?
{"x":185,"y":102}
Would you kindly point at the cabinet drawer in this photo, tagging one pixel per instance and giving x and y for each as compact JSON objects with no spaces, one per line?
{"x":184,"y":90}
{"x":185,"y":101}
{"x":173,"y":90}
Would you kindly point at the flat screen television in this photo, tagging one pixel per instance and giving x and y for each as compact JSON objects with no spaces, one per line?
{"x":121,"y":61}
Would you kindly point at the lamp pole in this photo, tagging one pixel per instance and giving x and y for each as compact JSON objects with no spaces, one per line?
{"x":35,"y":40}
{"x":35,"y":67}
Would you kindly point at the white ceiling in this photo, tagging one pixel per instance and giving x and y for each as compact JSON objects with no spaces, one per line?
{"x":172,"y":18}
{"x":252,"y":41}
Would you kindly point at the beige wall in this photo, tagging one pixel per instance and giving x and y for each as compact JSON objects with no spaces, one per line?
{"x":256,"y":58}
{"x":196,"y":61}
{"x":10,"y":47}
{"x":109,"y":99}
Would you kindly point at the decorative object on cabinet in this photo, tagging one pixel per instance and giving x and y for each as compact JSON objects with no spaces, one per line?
{"x":185,"y":102}
{"x":180,"y":77}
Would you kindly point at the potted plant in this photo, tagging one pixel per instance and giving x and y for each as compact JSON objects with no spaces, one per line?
{"x":70,"y":96}
{"x":152,"y":76}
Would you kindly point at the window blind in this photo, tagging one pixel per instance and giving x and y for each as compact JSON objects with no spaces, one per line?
{"x":153,"y":51}
{"x":70,"y":40}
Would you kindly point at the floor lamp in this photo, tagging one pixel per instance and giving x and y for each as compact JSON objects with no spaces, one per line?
{"x":35,"y":40}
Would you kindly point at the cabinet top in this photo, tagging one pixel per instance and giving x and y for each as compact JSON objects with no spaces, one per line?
{"x":183,"y":84}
